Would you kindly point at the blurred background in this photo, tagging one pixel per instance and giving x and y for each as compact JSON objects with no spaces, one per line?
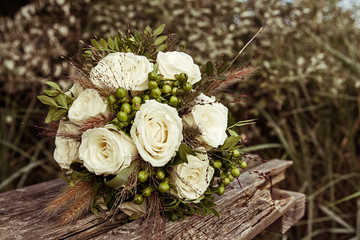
{"x":305,"y":92}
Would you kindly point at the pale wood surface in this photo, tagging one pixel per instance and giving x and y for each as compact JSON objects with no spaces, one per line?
{"x":244,"y":212}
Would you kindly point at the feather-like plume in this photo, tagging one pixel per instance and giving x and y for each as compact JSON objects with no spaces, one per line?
{"x":232,"y":78}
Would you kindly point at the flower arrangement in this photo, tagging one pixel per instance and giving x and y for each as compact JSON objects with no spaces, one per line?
{"x":140,"y":132}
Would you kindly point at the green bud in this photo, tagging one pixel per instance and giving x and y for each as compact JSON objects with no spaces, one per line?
{"x":243,"y":165}
{"x":174,"y":101}
{"x":146,"y":97}
{"x":152,"y":76}
{"x":174,"y":91}
{"x":229,"y":176}
{"x":187,"y":86}
{"x":155,"y":93}
{"x":136,"y":99}
{"x":147,"y":192}
{"x":135,"y":107}
{"x":153,"y":85}
{"x":111,"y":99}
{"x":163,"y":187}
{"x":235,"y":153}
{"x":138,"y":199}
{"x":226,"y":181}
{"x":166,"y":89}
{"x":183,"y":77}
{"x":122,"y":116}
{"x":235,"y":172}
{"x":176,"y":83}
{"x":220,"y":190}
{"x":142,"y":176}
{"x":120,"y":93}
{"x":125,"y":107}
{"x":160,"y":174}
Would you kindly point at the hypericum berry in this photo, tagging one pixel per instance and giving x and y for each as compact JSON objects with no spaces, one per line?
{"x":174,"y":101}
{"x":166,"y":89}
{"x":243,"y":164}
{"x":146,"y":97}
{"x":126,"y":108}
{"x":153,"y":84}
{"x":147,"y":192}
{"x":183,"y":77}
{"x":176,"y":83}
{"x":122,"y":116}
{"x":230,"y":177}
{"x":235,"y":153}
{"x":187,"y":86}
{"x":235,"y":172}
{"x":136,"y":99}
{"x":163,"y":187}
{"x":220,"y":190}
{"x":155,"y":93}
{"x":135,"y":107}
{"x":160,"y":174}
{"x":138,"y":199}
{"x":174,"y":91}
{"x":226,"y":181}
{"x":120,"y":93}
{"x":152,"y":75}
{"x":111,"y":99}
{"x":142,"y":176}
{"x":217,"y":164}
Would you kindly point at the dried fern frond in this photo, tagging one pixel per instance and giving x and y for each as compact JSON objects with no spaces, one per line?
{"x":232,"y":78}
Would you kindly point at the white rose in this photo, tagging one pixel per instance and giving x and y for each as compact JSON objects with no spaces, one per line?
{"x":125,"y":70}
{"x":106,"y":150}
{"x":66,"y":151}
{"x":157,"y":132}
{"x":130,"y":208}
{"x":211,"y":117}
{"x":171,"y":63}
{"x":192,"y":179}
{"x":88,"y":104}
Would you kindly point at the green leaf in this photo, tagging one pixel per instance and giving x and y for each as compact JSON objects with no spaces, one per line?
{"x":147,"y":29}
{"x":260,"y":147}
{"x":103,"y":43}
{"x":61,"y":98}
{"x":161,"y":48}
{"x":233,"y":133}
{"x":50,"y":115}
{"x":160,"y":40}
{"x":156,"y":67}
{"x":159,"y":30}
{"x":137,"y":36}
{"x":59,"y":114}
{"x":47,"y":100}
{"x":213,"y":210}
{"x":111,"y":43}
{"x":121,"y":178}
{"x":231,"y":142}
{"x":117,"y":43}
{"x":95,"y":43}
{"x":184,"y":150}
{"x":54,"y":85}
{"x":51,"y":92}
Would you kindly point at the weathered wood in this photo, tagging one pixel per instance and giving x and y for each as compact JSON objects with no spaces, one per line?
{"x":244,"y":212}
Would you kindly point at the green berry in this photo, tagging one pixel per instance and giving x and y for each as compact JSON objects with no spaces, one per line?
{"x":153,"y":84}
{"x":142,"y":176}
{"x":235,"y":153}
{"x":122,"y":116}
{"x":187,"y":86}
{"x":138,"y":199}
{"x":135,"y":107}
{"x":136,"y":99}
{"x":155,"y":93}
{"x":111,"y":99}
{"x":183,"y":77}
{"x":152,"y":75}
{"x":217,"y":164}
{"x":120,"y":93}
{"x":174,"y":91}
{"x":230,"y":177}
{"x":163,"y":187}
{"x":174,"y":101}
{"x":160,"y":175}
{"x":166,"y":89}
{"x":147,"y":192}
{"x":126,"y":108}
{"x":243,"y":165}
{"x":176,"y":83}
{"x":146,"y":97}
{"x":226,"y":181}
{"x":235,"y":172}
{"x":220,"y":190}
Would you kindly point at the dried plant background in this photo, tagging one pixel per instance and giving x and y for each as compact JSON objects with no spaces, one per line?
{"x":306,"y":90}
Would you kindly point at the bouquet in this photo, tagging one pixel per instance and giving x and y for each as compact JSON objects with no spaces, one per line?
{"x":141,"y":133}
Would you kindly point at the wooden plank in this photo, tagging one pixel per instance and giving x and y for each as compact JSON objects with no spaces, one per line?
{"x":20,"y":212}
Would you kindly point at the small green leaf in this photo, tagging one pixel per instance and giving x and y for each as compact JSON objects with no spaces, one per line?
{"x":137,"y":36}
{"x":111,"y":43}
{"x":161,"y":48}
{"x":213,"y":210}
{"x":117,"y":43}
{"x":147,"y":29}
{"x":184,"y":150}
{"x":121,"y":178}
{"x":47,"y":100}
{"x":103,"y":43}
{"x":231,"y":142}
{"x":50,"y":115}
{"x":159,"y":30}
{"x":59,"y":114}
{"x":51,"y":92}
{"x":61,"y":98}
{"x":95,"y":43}
{"x":54,"y":85}
{"x":160,"y":40}
{"x":232,"y":133}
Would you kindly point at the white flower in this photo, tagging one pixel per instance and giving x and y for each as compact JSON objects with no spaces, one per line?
{"x":66,"y":151}
{"x":106,"y":150}
{"x":130,"y":208}
{"x":125,"y":70}
{"x":211,"y":117}
{"x":192,"y":179}
{"x":157,"y":132}
{"x":171,"y":63}
{"x":75,"y":90}
{"x":88,"y":104}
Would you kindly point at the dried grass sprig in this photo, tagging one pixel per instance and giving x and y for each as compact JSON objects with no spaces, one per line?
{"x":232,"y":78}
{"x":97,"y":121}
{"x":191,"y":134}
{"x":154,"y":223}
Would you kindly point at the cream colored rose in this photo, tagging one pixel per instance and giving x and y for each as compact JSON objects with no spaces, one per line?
{"x":125,"y":70}
{"x":192,"y":179}
{"x":171,"y":63}
{"x":88,"y":104}
{"x":106,"y":150}
{"x":157,"y":132}
{"x":66,"y":150}
{"x":131,"y":208}
{"x":211,"y":117}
